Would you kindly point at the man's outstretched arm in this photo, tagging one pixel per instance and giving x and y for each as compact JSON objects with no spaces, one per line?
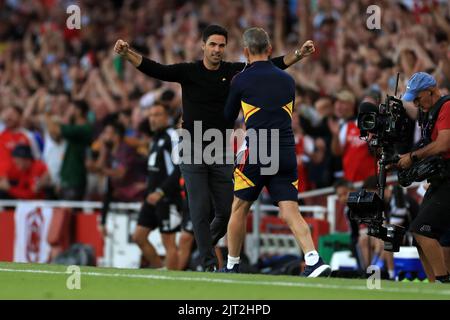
{"x":172,"y":73}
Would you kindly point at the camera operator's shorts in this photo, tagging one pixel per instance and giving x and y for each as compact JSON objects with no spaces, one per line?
{"x":282,"y":185}
{"x":433,"y":219}
{"x":164,"y":215}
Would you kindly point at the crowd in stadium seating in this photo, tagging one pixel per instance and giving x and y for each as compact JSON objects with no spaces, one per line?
{"x":83,"y":112}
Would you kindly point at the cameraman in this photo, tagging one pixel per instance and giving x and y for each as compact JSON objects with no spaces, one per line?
{"x":433,"y":219}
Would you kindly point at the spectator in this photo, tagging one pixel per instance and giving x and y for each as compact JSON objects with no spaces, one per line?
{"x":43,"y":108}
{"x":53,"y":154}
{"x":24,"y":177}
{"x":371,"y":247}
{"x":342,"y":189}
{"x":401,"y":210}
{"x":77,"y":132}
{"x":121,"y":164}
{"x":357,"y":161}
{"x":14,"y":135}
{"x":321,"y":172}
{"x":309,"y":152}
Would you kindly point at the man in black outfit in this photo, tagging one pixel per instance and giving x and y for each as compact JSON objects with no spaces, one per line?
{"x":163,"y":204}
{"x":205,"y":84}
{"x":433,"y":219}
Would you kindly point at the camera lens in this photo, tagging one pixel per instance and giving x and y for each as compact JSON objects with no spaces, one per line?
{"x":368,"y":122}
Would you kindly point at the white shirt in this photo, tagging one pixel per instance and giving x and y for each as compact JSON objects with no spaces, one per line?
{"x":53,"y":156}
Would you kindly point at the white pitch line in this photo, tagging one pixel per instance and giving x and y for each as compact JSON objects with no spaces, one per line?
{"x":233,"y":281}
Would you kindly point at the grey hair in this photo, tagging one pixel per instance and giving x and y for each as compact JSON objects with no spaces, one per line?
{"x":256,"y":40}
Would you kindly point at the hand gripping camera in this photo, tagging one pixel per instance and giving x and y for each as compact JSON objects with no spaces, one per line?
{"x":429,"y":168}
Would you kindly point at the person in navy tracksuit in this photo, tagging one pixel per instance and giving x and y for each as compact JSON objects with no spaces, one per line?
{"x":266,"y":95}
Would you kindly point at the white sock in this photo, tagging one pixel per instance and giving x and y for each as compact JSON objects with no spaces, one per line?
{"x":232,"y":261}
{"x":391,"y":274}
{"x":311,"y":258}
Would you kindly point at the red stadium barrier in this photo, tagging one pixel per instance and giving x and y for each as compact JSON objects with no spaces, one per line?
{"x":65,"y":229}
{"x":86,"y":232}
{"x":7,"y":236}
{"x":59,"y":233}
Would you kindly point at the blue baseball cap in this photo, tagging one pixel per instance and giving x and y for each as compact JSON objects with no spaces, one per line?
{"x":418,"y":82}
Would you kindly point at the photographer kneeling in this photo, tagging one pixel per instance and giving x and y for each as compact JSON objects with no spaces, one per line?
{"x":433,"y":219}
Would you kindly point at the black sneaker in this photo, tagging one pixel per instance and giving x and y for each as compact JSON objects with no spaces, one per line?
{"x":235,"y":269}
{"x":320,"y":269}
{"x":443,"y":279}
{"x":210,"y":268}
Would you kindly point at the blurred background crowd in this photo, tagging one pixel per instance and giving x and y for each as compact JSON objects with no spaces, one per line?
{"x":74,"y":115}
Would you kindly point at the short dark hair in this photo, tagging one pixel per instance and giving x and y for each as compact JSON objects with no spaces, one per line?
{"x":82,"y":106}
{"x":214,"y":29}
{"x":22,"y":151}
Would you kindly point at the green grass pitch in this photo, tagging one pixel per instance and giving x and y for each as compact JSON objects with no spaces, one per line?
{"x":39,"y":281}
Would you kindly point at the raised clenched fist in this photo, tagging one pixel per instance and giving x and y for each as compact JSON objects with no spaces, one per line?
{"x":121,"y":47}
{"x":307,"y":48}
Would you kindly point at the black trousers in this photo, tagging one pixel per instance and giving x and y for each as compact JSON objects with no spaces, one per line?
{"x":201,"y":181}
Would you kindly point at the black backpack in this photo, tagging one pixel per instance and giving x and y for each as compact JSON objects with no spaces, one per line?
{"x":78,"y":254}
{"x":427,"y":121}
